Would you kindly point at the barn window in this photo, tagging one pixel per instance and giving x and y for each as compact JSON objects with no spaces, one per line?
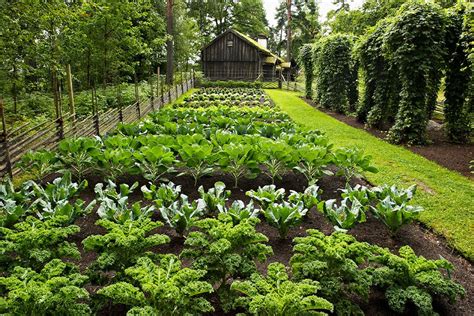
{"x":230,"y":43}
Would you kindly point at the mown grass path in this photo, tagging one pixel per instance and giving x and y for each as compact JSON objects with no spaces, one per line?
{"x":447,"y":197}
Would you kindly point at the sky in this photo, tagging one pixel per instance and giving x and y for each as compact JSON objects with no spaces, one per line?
{"x":324,"y":7}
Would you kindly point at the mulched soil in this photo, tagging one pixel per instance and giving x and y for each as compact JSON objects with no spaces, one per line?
{"x":423,"y":241}
{"x":449,"y":155}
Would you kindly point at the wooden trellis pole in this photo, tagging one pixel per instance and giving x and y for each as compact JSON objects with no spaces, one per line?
{"x":137,"y":96}
{"x":152,"y":91}
{"x":158,"y":86}
{"x":4,"y":141}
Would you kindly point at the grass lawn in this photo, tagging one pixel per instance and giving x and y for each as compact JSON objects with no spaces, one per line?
{"x":447,"y":197}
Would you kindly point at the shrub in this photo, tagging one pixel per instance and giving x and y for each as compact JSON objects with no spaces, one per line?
{"x":306,"y":60}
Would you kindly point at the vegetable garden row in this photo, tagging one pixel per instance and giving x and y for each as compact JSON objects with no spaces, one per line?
{"x":200,"y":247}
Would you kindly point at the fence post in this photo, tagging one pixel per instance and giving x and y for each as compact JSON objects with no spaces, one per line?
{"x":152,"y":97}
{"x":120,"y":112}
{"x":4,"y":140}
{"x":182,"y":83}
{"x":192,"y":78}
{"x":137,"y":96}
{"x":158,"y":86}
{"x":176,"y":91}
{"x":162,"y":89}
{"x":96,"y":111}
{"x":280,"y":76}
{"x":169,"y":94}
{"x":70,"y":90}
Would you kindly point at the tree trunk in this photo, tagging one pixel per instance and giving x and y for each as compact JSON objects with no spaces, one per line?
{"x":169,"y":42}
{"x":288,"y":40}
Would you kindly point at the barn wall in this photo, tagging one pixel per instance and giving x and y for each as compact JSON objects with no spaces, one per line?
{"x":239,"y":62}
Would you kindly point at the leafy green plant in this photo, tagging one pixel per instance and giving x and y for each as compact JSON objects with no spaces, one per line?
{"x":310,"y":197}
{"x":33,"y":242}
{"x":115,"y":162}
{"x":279,"y":157}
{"x":155,"y":162}
{"x":181,"y":214}
{"x":163,"y":195}
{"x":360,"y":193}
{"x":415,"y":279}
{"x":39,"y":163}
{"x":124,"y":243}
{"x":197,"y":160}
{"x":165,"y":288}
{"x":226,"y":250}
{"x":352,"y":163}
{"x":76,"y":155}
{"x":346,"y":215}
{"x":214,"y":197}
{"x":313,"y":161}
{"x":339,"y":263}
{"x":267,"y":195}
{"x":277,"y":294}
{"x":238,"y":211}
{"x":284,"y":216}
{"x":240,"y":160}
{"x":14,"y":203}
{"x":55,"y":290}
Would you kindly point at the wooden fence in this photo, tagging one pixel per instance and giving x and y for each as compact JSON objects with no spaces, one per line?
{"x":16,"y":142}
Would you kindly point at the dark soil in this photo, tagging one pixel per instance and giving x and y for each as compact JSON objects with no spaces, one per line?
{"x":423,"y":241}
{"x":449,"y":155}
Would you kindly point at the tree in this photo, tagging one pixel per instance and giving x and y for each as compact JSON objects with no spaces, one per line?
{"x":250,"y":18}
{"x":169,"y":42}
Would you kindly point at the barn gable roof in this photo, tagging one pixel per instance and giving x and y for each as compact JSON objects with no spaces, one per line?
{"x":271,"y":58}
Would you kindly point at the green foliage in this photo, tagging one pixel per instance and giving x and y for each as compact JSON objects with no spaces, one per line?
{"x":279,"y":157}
{"x":55,"y":290}
{"x":154,"y":162}
{"x":238,"y":211}
{"x":163,"y":195}
{"x":38,"y":164}
{"x":226,"y":250}
{"x":306,"y":60}
{"x":124,"y":243}
{"x":346,"y":215}
{"x":267,"y":195}
{"x":76,"y":155}
{"x":276,"y":294}
{"x":310,"y":197}
{"x":165,"y":288}
{"x":284,"y":216}
{"x":240,"y":160}
{"x":415,"y":43}
{"x":182,"y":214}
{"x":361,"y":193}
{"x":231,"y":84}
{"x":415,"y":279}
{"x":33,"y":242}
{"x":215,"y":197}
{"x":14,"y":203}
{"x":197,"y":160}
{"x":352,"y":163}
{"x":313,"y":161}
{"x":334,"y":66}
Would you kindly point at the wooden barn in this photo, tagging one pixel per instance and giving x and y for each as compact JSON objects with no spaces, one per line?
{"x":235,"y":56}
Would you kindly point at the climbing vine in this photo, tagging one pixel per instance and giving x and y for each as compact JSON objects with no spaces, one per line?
{"x":415,"y":44}
{"x":306,"y":61}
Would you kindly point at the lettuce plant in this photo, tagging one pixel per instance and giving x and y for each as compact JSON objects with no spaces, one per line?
{"x":14,"y":203}
{"x":285,"y":215}
{"x":277,"y":294}
{"x":197,"y":160}
{"x":409,"y":278}
{"x":352,"y":163}
{"x":181,"y":214}
{"x":238,"y":211}
{"x":155,"y":162}
{"x":124,"y":243}
{"x":360,"y":193}
{"x":33,"y":242}
{"x":76,"y":155}
{"x":226,"y":250}
{"x":240,"y":160}
{"x":163,"y":195}
{"x":165,"y":288}
{"x":39,"y":163}
{"x":395,"y":215}
{"x":267,"y":195}
{"x":346,"y":215}
{"x":313,"y":161}
{"x":214,"y":197}
{"x":55,"y":290}
{"x":310,"y":197}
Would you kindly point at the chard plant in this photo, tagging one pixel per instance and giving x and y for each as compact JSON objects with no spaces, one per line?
{"x":279,"y":157}
{"x":163,"y":288}
{"x":182,"y":214}
{"x":226,"y":251}
{"x":285,"y":215}
{"x":197,"y":160}
{"x":14,"y":203}
{"x":409,"y":278}
{"x":155,"y":162}
{"x":277,"y":294}
{"x":39,"y":164}
{"x":33,"y":242}
{"x":310,"y":197}
{"x":238,"y":211}
{"x":76,"y":155}
{"x":352,"y":162}
{"x":239,"y":160}
{"x":162,"y":195}
{"x":215,"y":197}
{"x":57,"y":289}
{"x":346,"y":215}
{"x":123,"y":243}
{"x":267,"y":195}
{"x":312,"y":162}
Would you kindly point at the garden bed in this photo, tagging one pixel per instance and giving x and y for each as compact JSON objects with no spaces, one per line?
{"x":449,"y":155}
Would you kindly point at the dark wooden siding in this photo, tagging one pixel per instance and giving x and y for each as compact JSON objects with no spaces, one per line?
{"x":241,"y":61}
